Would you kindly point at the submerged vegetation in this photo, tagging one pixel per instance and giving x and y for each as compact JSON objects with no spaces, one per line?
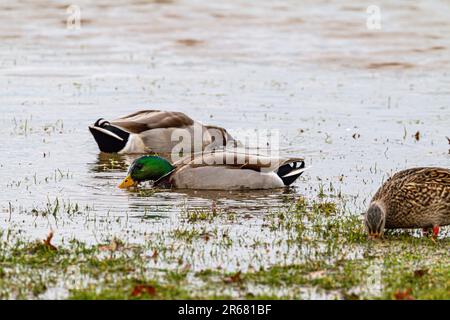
{"x":304,"y":249}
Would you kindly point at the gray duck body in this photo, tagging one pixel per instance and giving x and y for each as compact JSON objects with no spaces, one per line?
{"x":156,"y":131}
{"x":416,"y":198}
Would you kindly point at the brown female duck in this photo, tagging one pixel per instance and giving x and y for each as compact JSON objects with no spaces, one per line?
{"x":413,"y":198}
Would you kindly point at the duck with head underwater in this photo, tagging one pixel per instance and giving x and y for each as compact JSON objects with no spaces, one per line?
{"x":412,"y":198}
{"x":154,"y":131}
{"x":220,"y":170}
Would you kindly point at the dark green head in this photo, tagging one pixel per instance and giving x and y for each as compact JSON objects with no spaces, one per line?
{"x":146,"y":168}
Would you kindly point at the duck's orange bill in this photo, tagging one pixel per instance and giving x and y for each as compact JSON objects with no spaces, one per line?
{"x":127,"y":182}
{"x":374,"y":236}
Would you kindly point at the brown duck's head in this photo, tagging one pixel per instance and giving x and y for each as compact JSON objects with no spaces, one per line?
{"x":375,"y":219}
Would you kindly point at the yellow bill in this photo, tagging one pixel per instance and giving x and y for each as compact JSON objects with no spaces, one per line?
{"x":127,"y":182}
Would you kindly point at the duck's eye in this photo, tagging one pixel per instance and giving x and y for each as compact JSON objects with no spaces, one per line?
{"x":139,"y":166}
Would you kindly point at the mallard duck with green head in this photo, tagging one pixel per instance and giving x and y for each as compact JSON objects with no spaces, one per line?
{"x":221,"y":170}
{"x":413,"y":198}
{"x":155,"y":131}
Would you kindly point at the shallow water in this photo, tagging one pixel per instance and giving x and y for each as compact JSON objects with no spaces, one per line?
{"x":348,"y":99}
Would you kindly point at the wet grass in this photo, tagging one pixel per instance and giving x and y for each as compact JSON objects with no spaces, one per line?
{"x":305,"y":249}
{"x":25,"y":127}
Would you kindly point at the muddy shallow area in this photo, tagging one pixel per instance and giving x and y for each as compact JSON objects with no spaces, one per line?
{"x":358,"y":104}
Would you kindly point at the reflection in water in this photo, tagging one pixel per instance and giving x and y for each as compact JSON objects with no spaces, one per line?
{"x":111,"y":162}
{"x":114,"y":162}
{"x":147,"y":201}
{"x":236,"y":195}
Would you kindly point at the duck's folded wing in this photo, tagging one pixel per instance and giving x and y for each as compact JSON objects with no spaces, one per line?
{"x":238,"y":160}
{"x":152,"y":119}
{"x":421,"y":178}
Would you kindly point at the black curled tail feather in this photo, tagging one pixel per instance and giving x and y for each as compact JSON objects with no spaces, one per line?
{"x":97,"y":123}
{"x":102,"y":123}
{"x":285,"y":170}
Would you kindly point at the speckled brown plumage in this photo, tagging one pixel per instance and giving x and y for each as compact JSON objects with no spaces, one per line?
{"x":416,"y":198}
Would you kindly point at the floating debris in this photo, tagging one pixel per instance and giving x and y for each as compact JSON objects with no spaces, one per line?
{"x":404,"y":295}
{"x":233,"y":278}
{"x":47,"y":242}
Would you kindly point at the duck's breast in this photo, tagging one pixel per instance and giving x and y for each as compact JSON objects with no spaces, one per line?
{"x":134,"y":145}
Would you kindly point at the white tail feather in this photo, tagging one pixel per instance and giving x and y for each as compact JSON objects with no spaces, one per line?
{"x":106,"y":132}
{"x":295,"y":172}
